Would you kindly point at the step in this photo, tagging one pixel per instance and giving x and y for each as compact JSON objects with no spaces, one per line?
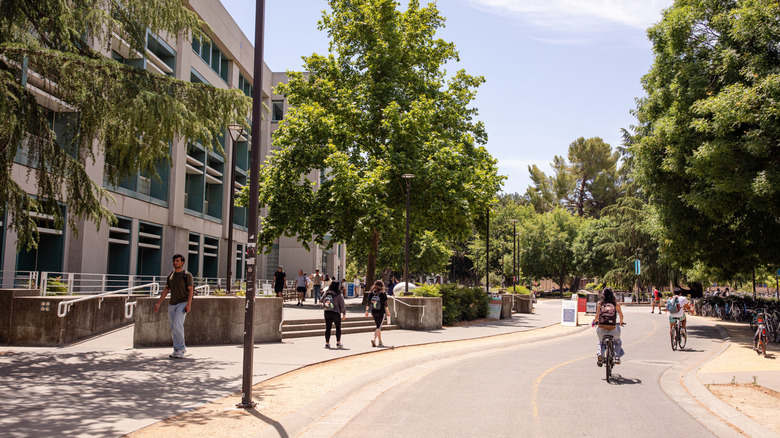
{"x":319,"y":325}
{"x":344,"y":331}
{"x":294,"y":322}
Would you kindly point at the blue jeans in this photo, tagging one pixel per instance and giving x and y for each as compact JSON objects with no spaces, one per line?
{"x":616,"y":341}
{"x":317,"y":292}
{"x":176,"y":317}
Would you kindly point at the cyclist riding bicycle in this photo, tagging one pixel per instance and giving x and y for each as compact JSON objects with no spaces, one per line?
{"x":676,"y":306}
{"x":607,"y":310}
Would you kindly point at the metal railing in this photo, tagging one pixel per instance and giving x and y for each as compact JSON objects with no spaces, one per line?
{"x":19,"y":280}
{"x":395,"y":311}
{"x":64,"y":306}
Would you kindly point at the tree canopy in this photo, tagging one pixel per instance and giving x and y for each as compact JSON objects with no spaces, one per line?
{"x":379,"y":106}
{"x":708,"y":139}
{"x":121,"y":117}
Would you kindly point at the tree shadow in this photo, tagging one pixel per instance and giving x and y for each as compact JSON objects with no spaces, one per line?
{"x":102,"y":393}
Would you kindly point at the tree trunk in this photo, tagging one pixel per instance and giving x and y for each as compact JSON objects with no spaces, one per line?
{"x":372,"y":254}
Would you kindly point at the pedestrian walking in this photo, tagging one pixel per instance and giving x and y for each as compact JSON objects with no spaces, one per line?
{"x":300,"y":286}
{"x":377,"y":305}
{"x":335,"y":312}
{"x":180,"y":286}
{"x":390,"y":286}
{"x":316,"y":280}
{"x":280,"y":278}
{"x":656,"y":301}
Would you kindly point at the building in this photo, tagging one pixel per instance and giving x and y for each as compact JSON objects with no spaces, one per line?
{"x":186,"y":211}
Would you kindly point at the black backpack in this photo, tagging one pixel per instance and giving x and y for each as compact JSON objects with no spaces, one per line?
{"x":607,"y":314}
{"x":376,"y":302}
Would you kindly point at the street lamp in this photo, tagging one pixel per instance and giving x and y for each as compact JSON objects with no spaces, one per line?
{"x":514,"y":254}
{"x":236,"y":131}
{"x":407,"y":177}
{"x":254,"y":192}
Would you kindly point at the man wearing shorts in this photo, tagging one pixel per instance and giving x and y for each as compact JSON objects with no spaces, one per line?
{"x":683,"y":305}
{"x":656,"y":301}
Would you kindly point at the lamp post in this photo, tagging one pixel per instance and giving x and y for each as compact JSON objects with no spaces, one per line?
{"x":254,"y":191}
{"x":514,"y":254}
{"x":487,"y":254}
{"x":236,"y":131}
{"x":407,"y":177}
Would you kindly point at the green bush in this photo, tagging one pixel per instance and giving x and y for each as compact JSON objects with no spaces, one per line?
{"x":462,"y":304}
{"x":56,"y":287}
{"x":428,"y":290}
{"x":520,"y":290}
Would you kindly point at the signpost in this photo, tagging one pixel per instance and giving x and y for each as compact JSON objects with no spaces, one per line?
{"x":569,"y":313}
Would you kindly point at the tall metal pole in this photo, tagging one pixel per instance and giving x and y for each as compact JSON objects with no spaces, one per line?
{"x":254,"y":191}
{"x":514,"y":254}
{"x":487,"y":255}
{"x":231,"y":253}
{"x":407,"y":177}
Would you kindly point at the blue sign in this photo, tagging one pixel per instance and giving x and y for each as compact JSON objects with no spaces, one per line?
{"x":637,"y":267}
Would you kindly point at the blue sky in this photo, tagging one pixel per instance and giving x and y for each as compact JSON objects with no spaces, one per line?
{"x":555,"y":70}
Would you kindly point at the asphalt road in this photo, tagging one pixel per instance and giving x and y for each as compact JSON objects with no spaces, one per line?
{"x":550,"y":388}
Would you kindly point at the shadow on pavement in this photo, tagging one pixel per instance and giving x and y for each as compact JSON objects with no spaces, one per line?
{"x":71,"y":394}
{"x":617,"y":379}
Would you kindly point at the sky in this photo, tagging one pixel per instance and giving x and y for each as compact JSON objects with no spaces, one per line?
{"x":555,"y":70}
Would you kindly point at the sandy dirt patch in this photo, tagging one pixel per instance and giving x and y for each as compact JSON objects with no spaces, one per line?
{"x":757,"y":402}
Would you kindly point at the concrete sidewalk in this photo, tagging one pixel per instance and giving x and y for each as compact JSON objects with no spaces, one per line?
{"x":104,"y":387}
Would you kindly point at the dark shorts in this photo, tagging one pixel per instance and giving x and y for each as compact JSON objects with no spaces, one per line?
{"x":379,"y":318}
{"x":300,"y":289}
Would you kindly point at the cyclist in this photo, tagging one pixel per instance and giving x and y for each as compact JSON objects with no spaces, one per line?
{"x":682,"y":305}
{"x":606,"y":311}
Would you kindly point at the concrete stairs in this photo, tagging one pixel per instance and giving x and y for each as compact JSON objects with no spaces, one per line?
{"x":303,"y":328}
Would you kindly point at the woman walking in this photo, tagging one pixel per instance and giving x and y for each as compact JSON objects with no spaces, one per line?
{"x":377,"y":304}
{"x":335,"y":311}
{"x":300,"y":286}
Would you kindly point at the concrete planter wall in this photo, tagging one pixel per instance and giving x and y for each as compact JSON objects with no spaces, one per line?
{"x":523,"y":304}
{"x":507,"y":304}
{"x":212,"y":321}
{"x":33,"y":321}
{"x":416,"y":313}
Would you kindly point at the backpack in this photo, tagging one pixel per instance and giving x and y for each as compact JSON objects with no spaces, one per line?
{"x":376,"y":302}
{"x":173,"y":272}
{"x":607,"y":314}
{"x":327,"y":301}
{"x":673,"y":305}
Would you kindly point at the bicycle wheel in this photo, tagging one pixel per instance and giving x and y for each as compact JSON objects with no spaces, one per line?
{"x":682,"y":340}
{"x":609,"y":358}
{"x":762,"y":346}
{"x":674,"y":338}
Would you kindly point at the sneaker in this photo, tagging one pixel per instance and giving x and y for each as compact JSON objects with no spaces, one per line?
{"x":183,"y":351}
{"x":175,"y":355}
{"x":327,"y":345}
{"x":373,"y":344}
{"x":339,"y":345}
{"x":599,"y":360}
{"x":653,"y":311}
{"x":617,"y":361}
{"x":380,"y":344}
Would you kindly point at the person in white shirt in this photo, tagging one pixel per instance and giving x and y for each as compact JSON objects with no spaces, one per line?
{"x":682,"y":305}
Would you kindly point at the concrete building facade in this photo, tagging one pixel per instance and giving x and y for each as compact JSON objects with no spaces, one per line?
{"x":186,"y":211}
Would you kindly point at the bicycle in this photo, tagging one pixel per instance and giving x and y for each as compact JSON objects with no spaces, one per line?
{"x":761,"y":336}
{"x":677,"y":335}
{"x":609,"y":353}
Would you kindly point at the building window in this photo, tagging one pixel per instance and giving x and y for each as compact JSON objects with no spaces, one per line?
{"x":244,"y":85}
{"x":193,"y":255}
{"x":212,"y":56}
{"x":277,"y":110}
{"x":149,"y":249}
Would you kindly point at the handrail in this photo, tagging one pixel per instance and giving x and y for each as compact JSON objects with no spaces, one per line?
{"x":64,"y":306}
{"x":395,"y":311}
{"x":205,"y":287}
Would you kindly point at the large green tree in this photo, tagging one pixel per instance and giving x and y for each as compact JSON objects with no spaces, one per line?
{"x":379,"y":106}
{"x":708,"y":151}
{"x":122,"y":117}
{"x":547,"y":246}
{"x":586,"y":183}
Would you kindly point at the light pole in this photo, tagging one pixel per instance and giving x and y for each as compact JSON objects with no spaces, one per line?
{"x":514,"y":254}
{"x":238,"y":130}
{"x":487,"y":254}
{"x":254,"y":191}
{"x":407,"y":177}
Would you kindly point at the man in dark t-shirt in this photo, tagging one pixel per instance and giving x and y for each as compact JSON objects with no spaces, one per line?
{"x":279,"y":279}
{"x":180,"y":286}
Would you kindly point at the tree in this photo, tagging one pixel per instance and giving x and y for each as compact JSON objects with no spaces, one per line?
{"x":708,"y":150}
{"x":548,"y":246}
{"x":379,"y":106}
{"x":588,"y":182}
{"x":125,"y":116}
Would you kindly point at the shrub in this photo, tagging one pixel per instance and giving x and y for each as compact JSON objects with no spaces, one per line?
{"x":520,"y":290}
{"x":462,"y":304}
{"x":56,"y":287}
{"x":428,"y":290}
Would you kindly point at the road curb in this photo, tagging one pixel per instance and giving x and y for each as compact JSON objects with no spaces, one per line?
{"x":681,"y":383}
{"x":298,"y":421}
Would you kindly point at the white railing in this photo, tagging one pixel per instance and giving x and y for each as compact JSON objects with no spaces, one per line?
{"x":395,"y":311}
{"x":19,"y":280}
{"x":64,"y":306}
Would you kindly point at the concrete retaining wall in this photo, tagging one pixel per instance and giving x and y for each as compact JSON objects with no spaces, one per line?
{"x":31,"y":320}
{"x":409,"y":318}
{"x":211,"y":321}
{"x":523,"y":304}
{"x":507,"y":304}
